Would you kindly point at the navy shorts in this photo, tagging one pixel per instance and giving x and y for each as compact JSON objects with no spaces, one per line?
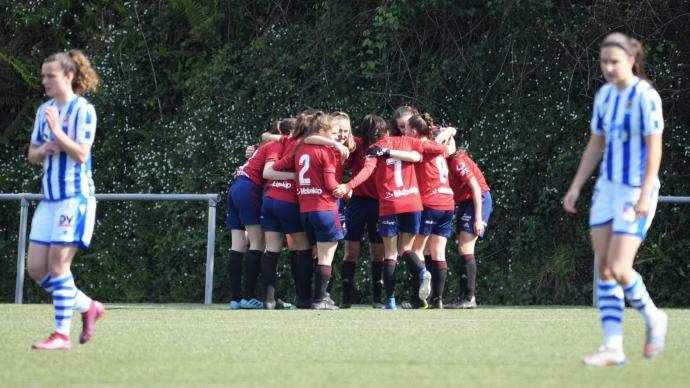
{"x":392,"y":225}
{"x":342,"y":208}
{"x":244,"y":204}
{"x":438,"y":222}
{"x":362,"y":212}
{"x":322,"y":226}
{"x":280,"y":216}
{"x":464,"y":213}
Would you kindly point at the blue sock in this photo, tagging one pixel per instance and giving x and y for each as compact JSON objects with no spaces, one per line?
{"x":64,"y":292}
{"x":638,"y":297}
{"x":611,"y":305}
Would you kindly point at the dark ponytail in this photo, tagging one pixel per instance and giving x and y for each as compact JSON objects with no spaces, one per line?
{"x":423,"y":124}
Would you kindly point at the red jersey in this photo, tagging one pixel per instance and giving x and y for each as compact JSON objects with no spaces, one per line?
{"x":396,"y":182}
{"x":462,"y":169}
{"x":432,"y":175}
{"x":283,"y":190}
{"x":253,"y":168}
{"x":315,"y":167}
{"x":359,"y":157}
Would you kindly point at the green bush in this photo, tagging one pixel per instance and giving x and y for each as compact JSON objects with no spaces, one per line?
{"x":188,"y":84}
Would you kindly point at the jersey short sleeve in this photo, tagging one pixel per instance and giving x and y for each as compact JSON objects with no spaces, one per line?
{"x":86,"y":124}
{"x":652,"y":119}
{"x":600,"y":100}
{"x":431,"y":148}
{"x":37,"y":133}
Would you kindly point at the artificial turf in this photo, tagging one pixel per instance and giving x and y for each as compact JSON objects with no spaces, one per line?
{"x":194,"y":345}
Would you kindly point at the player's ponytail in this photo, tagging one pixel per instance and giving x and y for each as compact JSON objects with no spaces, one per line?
{"x":74,"y":61}
{"x":632,"y":47}
{"x":422,"y":124}
{"x":639,"y":65}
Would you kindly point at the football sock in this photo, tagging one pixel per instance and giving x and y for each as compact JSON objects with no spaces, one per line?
{"x":304,"y":271}
{"x":376,"y":280}
{"x":323,"y":275}
{"x":235,"y":273}
{"x":611,"y":305}
{"x":389,"y":277}
{"x":638,"y":297}
{"x":269,"y":267}
{"x":347,"y":273}
{"x":471,"y":271}
{"x":252,"y":269}
{"x":81,"y":301}
{"x":428,"y":262}
{"x":293,"y":265}
{"x":439,"y":274}
{"x":64,"y":292}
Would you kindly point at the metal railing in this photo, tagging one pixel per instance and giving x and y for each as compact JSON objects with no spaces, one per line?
{"x":595,"y":271}
{"x":24,"y":199}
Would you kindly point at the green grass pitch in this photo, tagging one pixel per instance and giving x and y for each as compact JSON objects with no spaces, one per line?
{"x":193,"y":345}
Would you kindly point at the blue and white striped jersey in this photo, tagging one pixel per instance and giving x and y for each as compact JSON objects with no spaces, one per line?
{"x":63,"y":177}
{"x":624,"y":118}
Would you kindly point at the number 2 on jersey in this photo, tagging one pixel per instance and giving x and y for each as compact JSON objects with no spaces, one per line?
{"x":304,"y":161}
{"x":442,"y":166}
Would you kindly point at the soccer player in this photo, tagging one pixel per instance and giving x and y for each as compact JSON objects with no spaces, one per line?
{"x":315,"y":166}
{"x":437,"y":199}
{"x":472,"y":213}
{"x":627,"y":126}
{"x":400,"y":206}
{"x":61,"y":141}
{"x":280,"y":218}
{"x":244,"y":221}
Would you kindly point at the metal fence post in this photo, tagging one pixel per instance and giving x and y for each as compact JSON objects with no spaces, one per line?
{"x":21,"y":251}
{"x":210,"y":249}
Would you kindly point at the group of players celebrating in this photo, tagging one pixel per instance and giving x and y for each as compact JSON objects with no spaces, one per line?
{"x":406,"y":183}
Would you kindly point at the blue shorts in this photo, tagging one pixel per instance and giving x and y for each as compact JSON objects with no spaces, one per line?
{"x":464,"y":214}
{"x":244,"y":204}
{"x":322,"y":226}
{"x":342,"y":208}
{"x":66,"y":222}
{"x":438,"y":222}
{"x":280,"y":216}
{"x":391,"y":225}
{"x":362,"y":212}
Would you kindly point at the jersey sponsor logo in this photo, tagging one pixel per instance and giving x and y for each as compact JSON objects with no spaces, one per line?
{"x":65,"y":220}
{"x":443,"y":190}
{"x":390,"y":161}
{"x":462,"y":168}
{"x":404,"y":192}
{"x":281,"y":184}
{"x":309,"y":190}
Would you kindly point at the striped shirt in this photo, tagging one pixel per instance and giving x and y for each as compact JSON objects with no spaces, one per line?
{"x":624,"y":118}
{"x":63,"y":177}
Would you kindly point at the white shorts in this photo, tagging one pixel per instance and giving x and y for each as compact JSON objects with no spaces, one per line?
{"x":613,"y":203}
{"x":65,"y":222}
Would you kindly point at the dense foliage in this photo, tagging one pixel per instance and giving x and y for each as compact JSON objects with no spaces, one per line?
{"x":187,"y":84}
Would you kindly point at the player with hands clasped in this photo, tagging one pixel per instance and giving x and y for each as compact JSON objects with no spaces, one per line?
{"x":61,"y":141}
{"x":627,"y":125}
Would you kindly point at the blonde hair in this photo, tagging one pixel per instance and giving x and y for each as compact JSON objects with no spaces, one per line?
{"x":74,"y":61}
{"x":350,"y":142}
